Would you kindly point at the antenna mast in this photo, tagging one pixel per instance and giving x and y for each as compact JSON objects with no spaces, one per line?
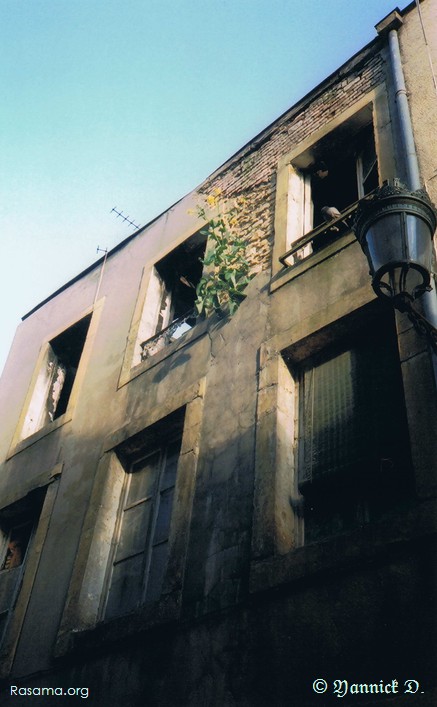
{"x":125,"y":218}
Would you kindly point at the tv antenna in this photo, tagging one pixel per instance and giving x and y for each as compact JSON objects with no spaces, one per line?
{"x":125,"y":218}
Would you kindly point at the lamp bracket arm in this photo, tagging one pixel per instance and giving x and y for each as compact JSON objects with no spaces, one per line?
{"x":422,"y":326}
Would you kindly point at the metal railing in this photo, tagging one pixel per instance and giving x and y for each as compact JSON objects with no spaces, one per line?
{"x":171,"y":333}
{"x":304,"y":247}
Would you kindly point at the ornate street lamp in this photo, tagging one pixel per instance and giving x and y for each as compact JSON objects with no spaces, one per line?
{"x":395,"y":227}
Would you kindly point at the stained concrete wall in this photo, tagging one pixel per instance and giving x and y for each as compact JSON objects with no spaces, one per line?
{"x":249,"y":615}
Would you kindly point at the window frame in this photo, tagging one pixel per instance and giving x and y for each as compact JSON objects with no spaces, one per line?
{"x":303,"y":218}
{"x":83,"y":607}
{"x":11,"y":577}
{"x":382,"y":475}
{"x":22,"y":438}
{"x":157,"y":447}
{"x":278,"y":511}
{"x":47,"y":392}
{"x":160,"y":322}
{"x":297,"y":211}
{"x":132,"y":363}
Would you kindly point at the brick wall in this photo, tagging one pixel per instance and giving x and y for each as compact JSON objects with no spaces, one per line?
{"x":252,"y":171}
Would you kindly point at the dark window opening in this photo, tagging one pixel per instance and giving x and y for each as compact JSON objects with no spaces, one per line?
{"x":56,"y":376}
{"x":345,"y":170}
{"x":353,"y":452}
{"x":169,"y":310}
{"x":66,"y":351}
{"x":17,"y":541}
{"x":180,"y":272}
{"x":335,"y":188}
{"x":16,"y":524}
{"x":329,"y":179}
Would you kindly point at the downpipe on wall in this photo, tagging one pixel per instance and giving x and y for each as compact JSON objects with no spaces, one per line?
{"x":428,"y":299}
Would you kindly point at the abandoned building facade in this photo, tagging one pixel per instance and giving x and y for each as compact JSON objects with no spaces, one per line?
{"x":222,"y":510}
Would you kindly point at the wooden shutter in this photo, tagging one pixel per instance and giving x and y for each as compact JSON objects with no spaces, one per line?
{"x":367,"y":164}
{"x":299,"y":205}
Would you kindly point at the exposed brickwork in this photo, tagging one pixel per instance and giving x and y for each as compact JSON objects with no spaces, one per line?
{"x":255,"y":223}
{"x":252,"y":172}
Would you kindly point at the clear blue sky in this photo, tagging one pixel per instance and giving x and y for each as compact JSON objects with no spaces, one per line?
{"x":132,"y":103}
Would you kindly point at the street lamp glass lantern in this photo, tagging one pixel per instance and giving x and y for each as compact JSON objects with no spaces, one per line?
{"x":395,"y":228}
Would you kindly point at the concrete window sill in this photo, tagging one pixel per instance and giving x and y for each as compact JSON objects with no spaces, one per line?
{"x":147,"y":617}
{"x":344,"y":553}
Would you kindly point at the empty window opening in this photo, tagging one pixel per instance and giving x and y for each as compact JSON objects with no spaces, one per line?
{"x":353,"y":454}
{"x":325,"y":183}
{"x":180,"y":273}
{"x":345,"y":170}
{"x":141,"y":542}
{"x":67,"y":349}
{"x":169,"y":304}
{"x":56,"y":377}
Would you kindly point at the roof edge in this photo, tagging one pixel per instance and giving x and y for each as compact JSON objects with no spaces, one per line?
{"x":255,"y":142}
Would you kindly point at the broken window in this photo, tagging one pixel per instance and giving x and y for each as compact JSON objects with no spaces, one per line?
{"x":353,"y":454}
{"x":17,"y":523}
{"x":169,"y":305}
{"x":56,"y":378}
{"x":141,"y":542}
{"x":15,"y":543}
{"x":344,"y":171}
{"x":326,"y":180}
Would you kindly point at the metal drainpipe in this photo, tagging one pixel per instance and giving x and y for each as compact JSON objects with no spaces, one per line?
{"x":429,"y":299}
{"x":411,"y":163}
